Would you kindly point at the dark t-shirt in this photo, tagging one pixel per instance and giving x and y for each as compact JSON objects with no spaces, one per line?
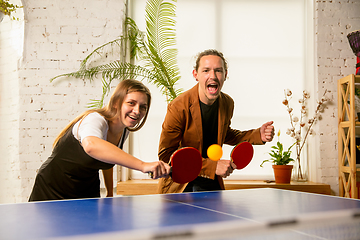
{"x":209,"y":118}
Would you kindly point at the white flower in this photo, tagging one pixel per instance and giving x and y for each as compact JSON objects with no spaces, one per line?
{"x":290,"y":109}
{"x":288,"y":92}
{"x":288,"y":131}
{"x":306,"y":94}
{"x":295,"y":119}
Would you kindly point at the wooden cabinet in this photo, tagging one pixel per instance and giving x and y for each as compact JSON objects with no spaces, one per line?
{"x":348,"y":170}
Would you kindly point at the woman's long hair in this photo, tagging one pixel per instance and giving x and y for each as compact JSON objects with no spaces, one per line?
{"x":110,"y":112}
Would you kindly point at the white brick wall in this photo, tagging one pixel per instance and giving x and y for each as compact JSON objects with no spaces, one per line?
{"x":9,"y":109}
{"x":334,"y":60}
{"x":59,"y":33}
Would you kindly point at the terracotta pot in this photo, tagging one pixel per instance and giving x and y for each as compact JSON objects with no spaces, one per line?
{"x":282,"y":173}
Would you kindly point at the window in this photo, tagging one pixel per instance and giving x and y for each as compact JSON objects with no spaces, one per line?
{"x":265,"y":44}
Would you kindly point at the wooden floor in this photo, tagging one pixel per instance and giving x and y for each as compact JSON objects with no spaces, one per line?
{"x":142,"y":187}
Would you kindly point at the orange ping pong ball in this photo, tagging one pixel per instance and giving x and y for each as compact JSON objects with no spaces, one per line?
{"x":215,"y":152}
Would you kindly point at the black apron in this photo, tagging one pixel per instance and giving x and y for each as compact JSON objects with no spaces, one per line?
{"x":69,"y":172}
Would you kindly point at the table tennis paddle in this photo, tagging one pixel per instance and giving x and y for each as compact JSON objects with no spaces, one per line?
{"x":242,"y":154}
{"x":186,"y":165}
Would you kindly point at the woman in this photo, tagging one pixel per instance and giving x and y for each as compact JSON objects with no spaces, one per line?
{"x":93,"y":141}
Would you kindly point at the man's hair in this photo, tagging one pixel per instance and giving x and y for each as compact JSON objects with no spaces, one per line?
{"x":208,"y":52}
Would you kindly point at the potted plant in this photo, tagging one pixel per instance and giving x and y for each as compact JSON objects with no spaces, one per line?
{"x":280,"y":159}
{"x":7,"y":8}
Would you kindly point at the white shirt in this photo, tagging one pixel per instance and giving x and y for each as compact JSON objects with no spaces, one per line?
{"x":95,"y":125}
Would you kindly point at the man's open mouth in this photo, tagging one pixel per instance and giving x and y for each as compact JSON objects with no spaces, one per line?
{"x":212,"y":88}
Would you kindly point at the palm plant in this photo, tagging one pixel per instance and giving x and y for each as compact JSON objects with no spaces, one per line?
{"x":154,"y":51}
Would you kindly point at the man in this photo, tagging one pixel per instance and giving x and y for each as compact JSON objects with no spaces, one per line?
{"x":201,"y":117}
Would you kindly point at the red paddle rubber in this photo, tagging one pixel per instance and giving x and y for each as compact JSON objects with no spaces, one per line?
{"x":242,"y":154}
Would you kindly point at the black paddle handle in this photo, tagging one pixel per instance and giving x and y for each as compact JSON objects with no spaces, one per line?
{"x":151,"y":174}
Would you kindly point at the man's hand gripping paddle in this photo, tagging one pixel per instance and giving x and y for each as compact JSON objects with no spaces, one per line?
{"x":242,"y":154}
{"x":186,"y":165}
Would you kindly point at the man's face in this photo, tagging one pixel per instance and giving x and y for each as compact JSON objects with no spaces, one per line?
{"x":211,"y":76}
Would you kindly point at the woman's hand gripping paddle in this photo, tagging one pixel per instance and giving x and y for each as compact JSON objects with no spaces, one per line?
{"x":242,"y":154}
{"x":186,"y":165}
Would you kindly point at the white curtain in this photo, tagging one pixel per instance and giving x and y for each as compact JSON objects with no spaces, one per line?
{"x":264,"y":43}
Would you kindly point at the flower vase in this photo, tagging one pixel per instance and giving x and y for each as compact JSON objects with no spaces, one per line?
{"x":300,"y":173}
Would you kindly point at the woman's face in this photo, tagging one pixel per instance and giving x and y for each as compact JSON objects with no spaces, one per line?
{"x":133,"y":109}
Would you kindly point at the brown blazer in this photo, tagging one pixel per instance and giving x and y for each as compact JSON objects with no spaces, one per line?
{"x":182,"y":127}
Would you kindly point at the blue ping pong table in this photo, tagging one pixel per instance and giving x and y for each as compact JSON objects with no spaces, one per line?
{"x":175,"y":216}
